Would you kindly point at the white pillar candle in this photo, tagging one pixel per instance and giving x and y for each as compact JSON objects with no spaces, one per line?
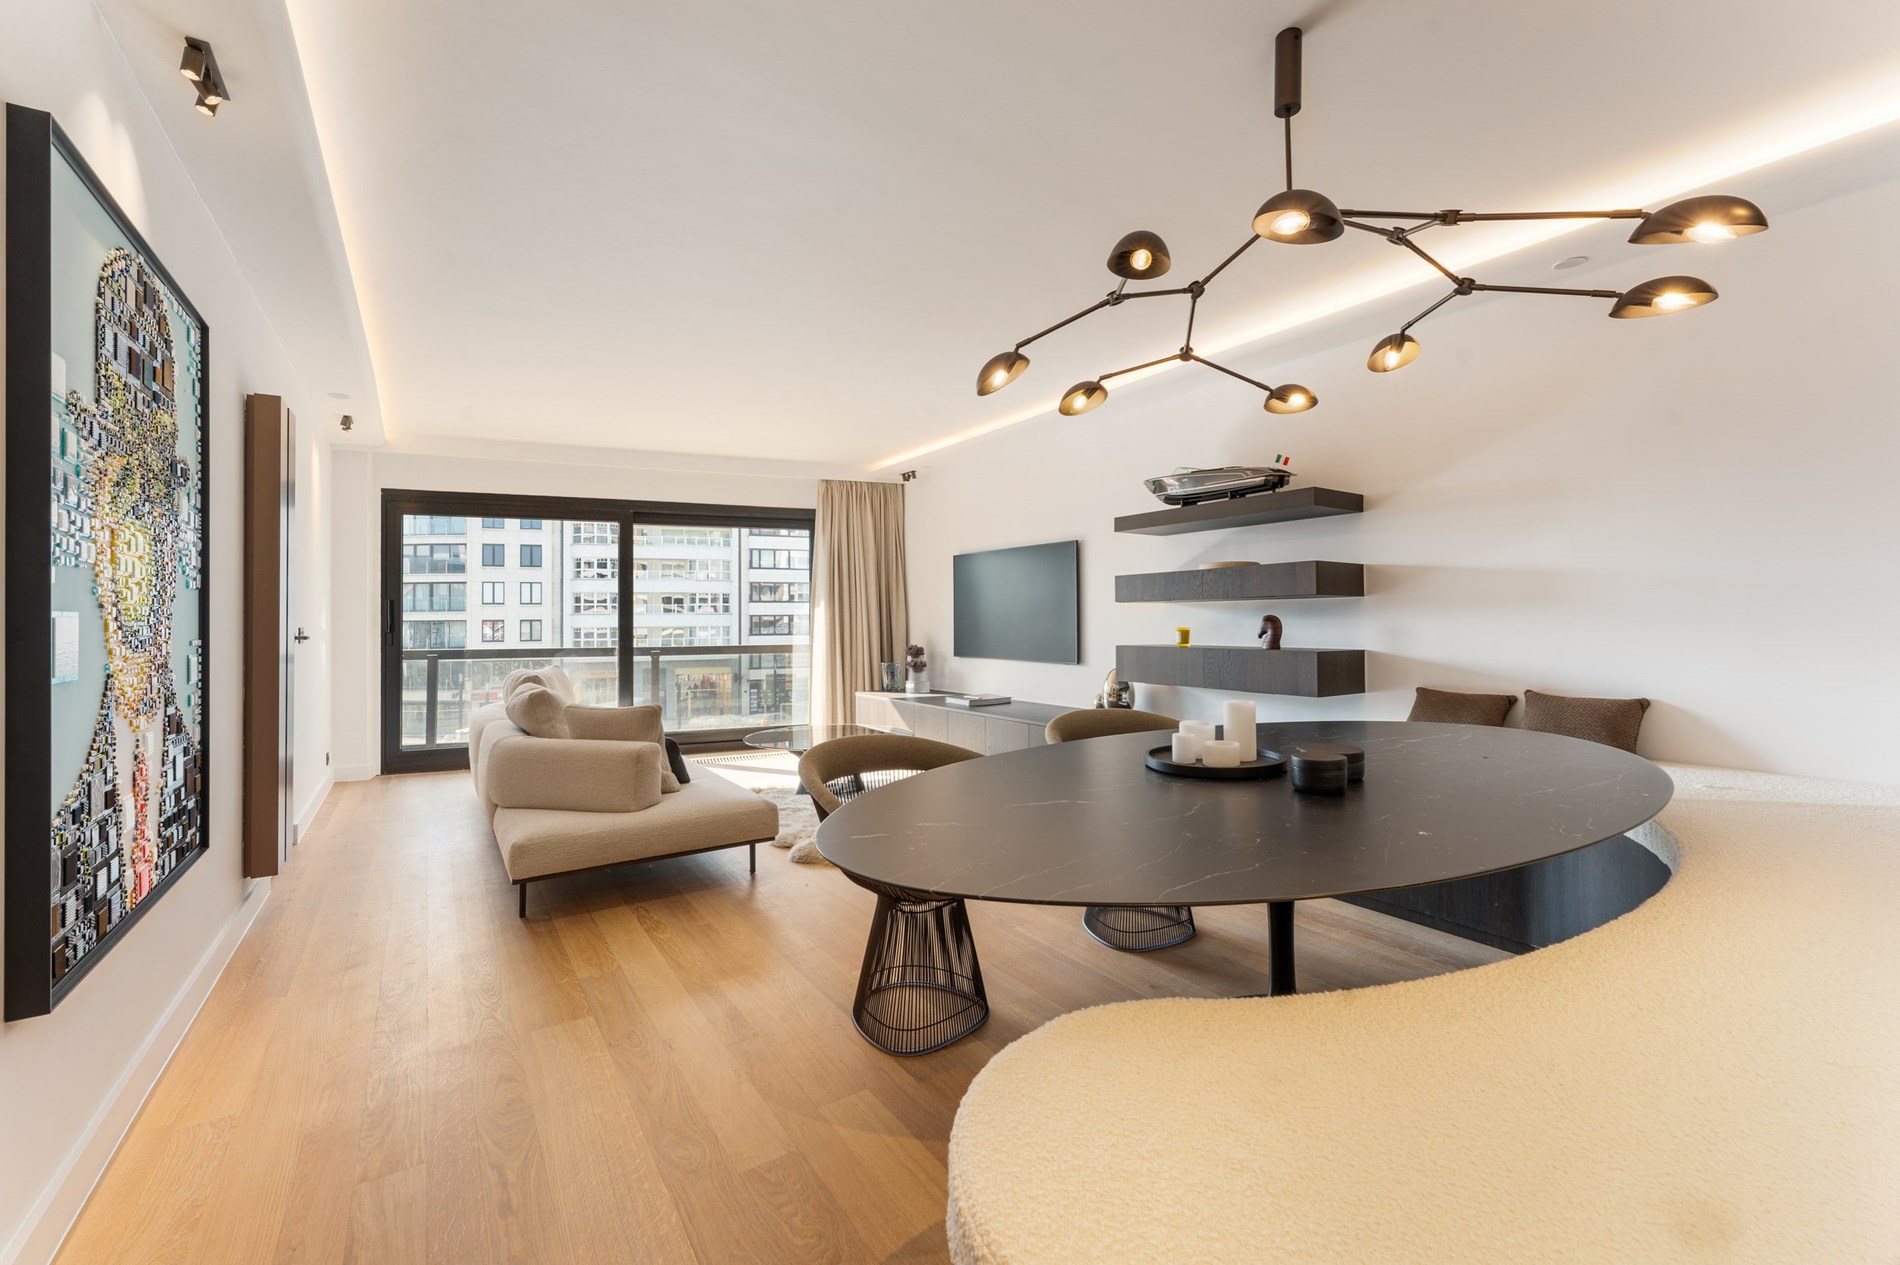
{"x":1237,"y":719}
{"x":1220,"y":754}
{"x":1187,"y":748}
{"x":1202,"y":729}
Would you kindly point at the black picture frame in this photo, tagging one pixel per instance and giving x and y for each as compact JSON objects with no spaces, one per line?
{"x":34,"y":143}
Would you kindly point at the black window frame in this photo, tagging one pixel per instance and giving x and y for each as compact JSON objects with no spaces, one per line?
{"x":497,"y":552}
{"x":625,"y":514}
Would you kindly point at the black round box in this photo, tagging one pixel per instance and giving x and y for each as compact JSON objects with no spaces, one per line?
{"x":1317,"y":772}
{"x":1355,"y":756}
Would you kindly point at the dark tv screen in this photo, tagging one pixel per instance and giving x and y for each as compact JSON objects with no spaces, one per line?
{"x":1021,"y":603}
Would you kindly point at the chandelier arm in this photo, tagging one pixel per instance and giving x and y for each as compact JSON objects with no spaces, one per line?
{"x":1582,"y":294}
{"x":1187,"y":340}
{"x":1288,"y":120}
{"x":1146,"y":364}
{"x":1418,"y":250}
{"x":1433,"y":308}
{"x":1393,"y":215}
{"x":1093,"y":307}
{"x":1202,"y":360}
{"x":1155,"y":294}
{"x":1473,"y":217}
{"x":1238,"y":252}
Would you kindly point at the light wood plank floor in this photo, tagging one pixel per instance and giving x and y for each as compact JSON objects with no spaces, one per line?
{"x":657,"y":1066}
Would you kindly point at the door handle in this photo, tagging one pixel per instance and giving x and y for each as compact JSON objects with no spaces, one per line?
{"x":301,"y":637}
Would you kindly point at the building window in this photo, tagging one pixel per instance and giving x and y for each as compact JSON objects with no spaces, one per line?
{"x":433,"y":525}
{"x":531,"y":630}
{"x":530,"y":592}
{"x":530,"y":524}
{"x":434,"y":634}
{"x":494,"y":555}
{"x":596,"y":603}
{"x":435,"y":559}
{"x":531,"y":555}
{"x":776,"y":531}
{"x":684,"y":569}
{"x":770,"y":625}
{"x":780,"y":591}
{"x":494,"y":630}
{"x":494,"y":523}
{"x":780,"y":560}
{"x":494,"y":592}
{"x":593,"y":533}
{"x":590,"y":637}
{"x":437,"y":596}
{"x":596,"y":568}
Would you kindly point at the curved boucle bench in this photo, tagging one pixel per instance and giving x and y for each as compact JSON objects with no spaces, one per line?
{"x":1714,"y":1076}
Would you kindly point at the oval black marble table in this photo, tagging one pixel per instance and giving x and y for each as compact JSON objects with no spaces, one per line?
{"x":1085,"y":823}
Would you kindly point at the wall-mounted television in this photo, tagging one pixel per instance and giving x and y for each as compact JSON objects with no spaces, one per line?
{"x":1022,"y":603}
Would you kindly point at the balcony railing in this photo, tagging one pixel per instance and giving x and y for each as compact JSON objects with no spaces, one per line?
{"x":705,"y":693}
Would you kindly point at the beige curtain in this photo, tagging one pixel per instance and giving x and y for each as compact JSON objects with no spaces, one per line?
{"x":861,"y":605}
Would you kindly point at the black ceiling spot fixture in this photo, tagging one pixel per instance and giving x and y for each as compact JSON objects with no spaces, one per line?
{"x":200,"y":65}
{"x":1304,"y":217}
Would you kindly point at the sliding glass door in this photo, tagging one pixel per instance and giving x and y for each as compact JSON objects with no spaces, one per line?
{"x":704,"y":610}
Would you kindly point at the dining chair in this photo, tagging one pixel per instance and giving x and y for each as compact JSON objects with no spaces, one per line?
{"x":921,"y":986}
{"x":1130,"y":928}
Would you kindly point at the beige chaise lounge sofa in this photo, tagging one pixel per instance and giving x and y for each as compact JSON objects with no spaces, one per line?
{"x":1714,"y":1076}
{"x":571,"y":788}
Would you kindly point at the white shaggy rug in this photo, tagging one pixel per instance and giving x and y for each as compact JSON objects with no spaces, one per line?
{"x":797,"y":824}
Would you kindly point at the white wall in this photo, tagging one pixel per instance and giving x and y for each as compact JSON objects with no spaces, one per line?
{"x":1698,"y":509}
{"x":71,"y":1081}
{"x":361,"y":475}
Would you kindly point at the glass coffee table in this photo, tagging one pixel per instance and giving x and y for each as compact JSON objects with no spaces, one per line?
{"x":798,"y":739}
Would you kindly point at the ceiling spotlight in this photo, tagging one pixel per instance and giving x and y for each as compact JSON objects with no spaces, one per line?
{"x":1715,"y":217}
{"x":1082,"y":397}
{"x":1663,"y":296}
{"x":1300,"y":217}
{"x":348,"y":423}
{"x":1290,"y":398}
{"x":1394,"y":351}
{"x":1000,"y":370}
{"x":1140,"y":256}
{"x":197,"y":59}
{"x":200,"y":66}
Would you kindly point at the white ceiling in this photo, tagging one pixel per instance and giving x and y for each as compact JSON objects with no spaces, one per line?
{"x":796,"y":230}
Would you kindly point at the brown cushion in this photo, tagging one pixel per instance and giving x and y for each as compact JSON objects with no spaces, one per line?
{"x":538,"y":710}
{"x":677,"y":762}
{"x":1614,"y":722}
{"x":1450,"y":708}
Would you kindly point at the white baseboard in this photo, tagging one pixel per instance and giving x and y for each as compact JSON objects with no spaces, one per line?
{"x":54,"y":1212}
{"x":355,"y":772}
{"x":313,"y":806}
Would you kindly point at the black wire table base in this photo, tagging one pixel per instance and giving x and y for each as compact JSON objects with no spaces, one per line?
{"x":1139,"y":928}
{"x":921,"y":987}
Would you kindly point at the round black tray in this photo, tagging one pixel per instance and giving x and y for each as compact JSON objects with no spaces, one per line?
{"x":1269,"y":764}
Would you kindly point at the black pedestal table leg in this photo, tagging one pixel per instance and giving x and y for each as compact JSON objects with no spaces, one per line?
{"x":1280,"y":948}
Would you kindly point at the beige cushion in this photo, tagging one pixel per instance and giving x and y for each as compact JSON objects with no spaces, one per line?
{"x":571,"y":775}
{"x":538,"y":710}
{"x":622,"y":724}
{"x":549,"y":678}
{"x":1449,"y":707}
{"x":708,"y":812}
{"x":1614,"y":722}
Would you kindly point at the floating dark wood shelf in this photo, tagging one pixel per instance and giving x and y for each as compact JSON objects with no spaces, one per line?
{"x":1273,"y":581}
{"x":1286,"y":506}
{"x":1246,"y":669}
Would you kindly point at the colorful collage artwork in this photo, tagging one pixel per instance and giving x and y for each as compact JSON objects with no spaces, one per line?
{"x":126,"y":587}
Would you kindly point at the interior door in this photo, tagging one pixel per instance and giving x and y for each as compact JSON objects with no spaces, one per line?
{"x":270,"y":638}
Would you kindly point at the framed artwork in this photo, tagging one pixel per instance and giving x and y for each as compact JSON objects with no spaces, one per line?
{"x":106,"y":553}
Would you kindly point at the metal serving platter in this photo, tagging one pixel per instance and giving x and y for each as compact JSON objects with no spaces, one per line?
{"x":1217,"y":483}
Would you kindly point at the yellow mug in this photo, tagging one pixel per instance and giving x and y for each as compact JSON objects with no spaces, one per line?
{"x":1180,"y":636}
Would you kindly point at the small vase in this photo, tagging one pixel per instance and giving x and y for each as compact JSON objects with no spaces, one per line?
{"x":919,"y":683}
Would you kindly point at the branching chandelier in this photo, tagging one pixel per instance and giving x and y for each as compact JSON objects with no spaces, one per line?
{"x":1302,"y":217}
